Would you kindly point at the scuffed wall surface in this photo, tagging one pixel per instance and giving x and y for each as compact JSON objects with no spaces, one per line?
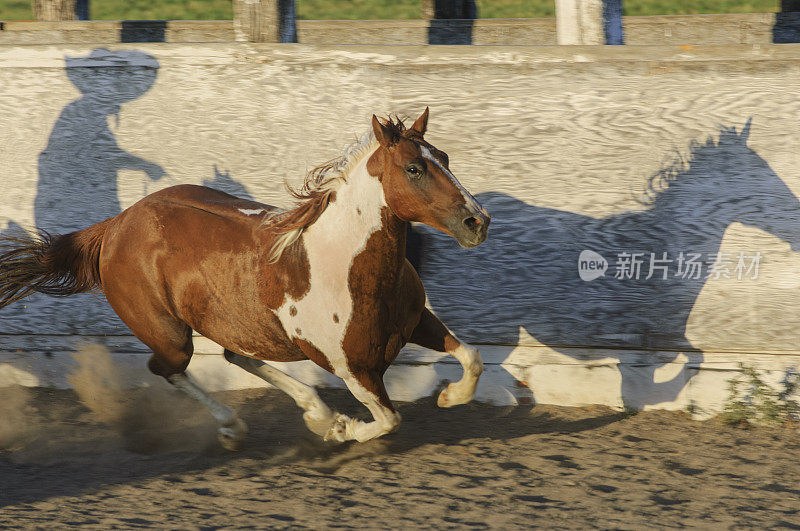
{"x":560,"y":145}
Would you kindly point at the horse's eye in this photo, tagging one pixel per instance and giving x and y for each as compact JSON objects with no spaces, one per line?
{"x":414,"y":171}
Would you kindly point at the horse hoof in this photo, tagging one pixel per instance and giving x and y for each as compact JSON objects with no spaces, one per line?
{"x":449,"y":397}
{"x":338,"y":432}
{"x":443,"y":400}
{"x":231,"y":436}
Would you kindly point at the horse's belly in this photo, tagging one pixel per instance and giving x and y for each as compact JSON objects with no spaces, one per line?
{"x":248,"y":330}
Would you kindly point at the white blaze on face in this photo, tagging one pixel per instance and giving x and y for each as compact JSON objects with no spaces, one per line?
{"x":468,"y":199}
{"x":331,"y":244}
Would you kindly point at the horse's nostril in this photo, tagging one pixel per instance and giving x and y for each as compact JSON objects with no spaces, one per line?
{"x":473,"y":223}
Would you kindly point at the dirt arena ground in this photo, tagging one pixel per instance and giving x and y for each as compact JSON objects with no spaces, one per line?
{"x":153,"y":461}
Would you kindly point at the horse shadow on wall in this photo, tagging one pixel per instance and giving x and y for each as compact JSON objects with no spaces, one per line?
{"x":78,"y":173}
{"x":526,"y":275}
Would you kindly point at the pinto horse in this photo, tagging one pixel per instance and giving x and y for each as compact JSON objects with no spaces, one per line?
{"x":327,"y":281}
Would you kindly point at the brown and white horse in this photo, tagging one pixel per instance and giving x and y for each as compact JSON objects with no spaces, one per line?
{"x":327,"y":281}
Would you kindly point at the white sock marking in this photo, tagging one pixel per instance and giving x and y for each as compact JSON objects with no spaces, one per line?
{"x":221,"y":412}
{"x":304,"y":396}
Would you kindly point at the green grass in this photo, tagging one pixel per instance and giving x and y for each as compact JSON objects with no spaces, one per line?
{"x":375,"y":9}
{"x":696,"y":7}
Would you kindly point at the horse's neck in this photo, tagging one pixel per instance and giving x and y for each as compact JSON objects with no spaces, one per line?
{"x":358,"y":220}
{"x":689,"y":216}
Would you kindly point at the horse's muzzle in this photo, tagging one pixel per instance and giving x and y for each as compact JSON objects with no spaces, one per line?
{"x":471,"y":227}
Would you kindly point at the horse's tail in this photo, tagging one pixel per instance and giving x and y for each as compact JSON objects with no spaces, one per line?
{"x":53,"y":264}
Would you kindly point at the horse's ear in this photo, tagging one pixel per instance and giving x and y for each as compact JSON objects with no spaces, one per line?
{"x":421,"y":125}
{"x":745,"y":134}
{"x":383,"y":134}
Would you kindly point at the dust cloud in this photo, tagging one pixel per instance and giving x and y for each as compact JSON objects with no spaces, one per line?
{"x":19,"y":420}
{"x":150,"y":419}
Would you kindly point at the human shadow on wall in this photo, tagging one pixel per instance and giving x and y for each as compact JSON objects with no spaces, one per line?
{"x":526,"y":275}
{"x":78,"y":168}
{"x":77,"y":183}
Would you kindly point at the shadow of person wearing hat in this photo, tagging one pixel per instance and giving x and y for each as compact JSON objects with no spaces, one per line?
{"x":78,"y":169}
{"x":78,"y":173}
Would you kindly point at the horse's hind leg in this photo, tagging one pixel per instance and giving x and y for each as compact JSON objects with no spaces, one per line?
{"x":433,"y":334}
{"x":172,"y":347}
{"x":232,"y":429}
{"x":318,"y":417}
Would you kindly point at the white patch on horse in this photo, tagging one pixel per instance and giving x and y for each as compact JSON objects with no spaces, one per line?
{"x":468,"y":199}
{"x":332,"y":243}
{"x":334,"y":176}
{"x":251,"y":211}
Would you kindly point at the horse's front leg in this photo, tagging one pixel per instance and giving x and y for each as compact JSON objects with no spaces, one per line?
{"x":433,"y":334}
{"x":368,"y":388}
{"x":317,"y":415}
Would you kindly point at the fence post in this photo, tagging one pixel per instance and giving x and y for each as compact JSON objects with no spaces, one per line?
{"x":54,"y":10}
{"x":612,"y":22}
{"x":589,"y":22}
{"x":264,"y":20}
{"x":82,"y":9}
{"x":449,"y":21}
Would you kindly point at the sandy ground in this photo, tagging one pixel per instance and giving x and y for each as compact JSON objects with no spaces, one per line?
{"x":154,"y":461}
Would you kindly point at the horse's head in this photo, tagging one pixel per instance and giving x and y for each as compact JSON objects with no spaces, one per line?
{"x":761,"y":198}
{"x":725,"y":181}
{"x":419,"y":186}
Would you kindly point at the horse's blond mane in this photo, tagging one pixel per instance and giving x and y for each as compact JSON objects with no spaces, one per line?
{"x":316,"y":193}
{"x":320,"y":186}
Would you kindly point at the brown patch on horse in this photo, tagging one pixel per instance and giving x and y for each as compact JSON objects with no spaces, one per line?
{"x":185,"y":236}
{"x":314,"y":354}
{"x":433,"y":334}
{"x":212,"y":201}
{"x":387,"y":302}
{"x":290,"y":275}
